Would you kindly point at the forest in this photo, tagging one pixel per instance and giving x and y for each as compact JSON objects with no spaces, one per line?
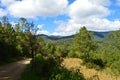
{"x":20,"y":41}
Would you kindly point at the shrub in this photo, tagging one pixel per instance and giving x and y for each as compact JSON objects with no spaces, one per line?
{"x":48,"y":68}
{"x":64,"y":74}
{"x":74,"y":54}
{"x":43,"y":65}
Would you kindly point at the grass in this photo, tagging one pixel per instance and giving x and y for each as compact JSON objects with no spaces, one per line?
{"x":88,"y":73}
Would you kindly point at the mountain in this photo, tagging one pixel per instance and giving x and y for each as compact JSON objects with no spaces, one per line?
{"x":101,"y":34}
{"x":97,"y":36}
{"x":54,"y":38}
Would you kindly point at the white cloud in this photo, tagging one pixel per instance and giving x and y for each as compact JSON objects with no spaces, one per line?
{"x":7,"y":2}
{"x":98,"y":24}
{"x":41,"y":31}
{"x":40,"y":26}
{"x":87,"y":9}
{"x":101,"y":2}
{"x":89,"y":13}
{"x":34,"y":8}
{"x":2,"y":12}
{"x":67,"y":28}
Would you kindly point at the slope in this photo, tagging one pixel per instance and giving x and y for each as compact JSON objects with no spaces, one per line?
{"x":89,"y":74}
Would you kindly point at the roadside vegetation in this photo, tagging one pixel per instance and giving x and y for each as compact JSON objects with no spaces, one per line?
{"x":49,"y":68}
{"x":20,"y":41}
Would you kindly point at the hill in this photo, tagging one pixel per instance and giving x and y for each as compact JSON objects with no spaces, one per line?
{"x":97,"y":36}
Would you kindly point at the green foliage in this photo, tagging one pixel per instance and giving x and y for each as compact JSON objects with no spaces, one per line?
{"x":61,"y":51}
{"x":108,"y":53}
{"x":97,"y":64}
{"x":48,"y":68}
{"x":18,"y":41}
{"x":74,"y":54}
{"x":64,"y":74}
{"x":30,"y":74}
{"x":66,"y":42}
{"x":43,"y":66}
{"x":21,"y":41}
{"x":7,"y":42}
{"x":50,"y":48}
{"x":84,"y":43}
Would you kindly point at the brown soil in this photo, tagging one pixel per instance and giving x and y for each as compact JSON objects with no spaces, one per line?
{"x":13,"y":71}
{"x":89,"y":74}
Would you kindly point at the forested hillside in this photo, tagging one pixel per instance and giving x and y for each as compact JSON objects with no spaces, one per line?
{"x":98,"y":36}
{"x":20,"y":41}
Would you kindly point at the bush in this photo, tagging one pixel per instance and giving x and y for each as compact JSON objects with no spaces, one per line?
{"x":43,"y":65}
{"x":97,"y":64}
{"x":74,"y":54}
{"x":48,"y":68}
{"x":64,"y":74}
{"x":30,"y":74}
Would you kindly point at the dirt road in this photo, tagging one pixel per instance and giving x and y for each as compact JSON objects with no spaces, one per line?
{"x":13,"y":71}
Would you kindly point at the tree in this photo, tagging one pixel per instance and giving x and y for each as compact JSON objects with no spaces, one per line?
{"x":30,"y":41}
{"x":7,"y":41}
{"x":50,"y":49}
{"x":19,"y":41}
{"x":5,"y":21}
{"x":84,"y":43}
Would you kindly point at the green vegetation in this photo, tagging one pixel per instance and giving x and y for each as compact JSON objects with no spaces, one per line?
{"x":101,"y":55}
{"x":49,"y":68}
{"x":109,"y":52}
{"x":20,"y":41}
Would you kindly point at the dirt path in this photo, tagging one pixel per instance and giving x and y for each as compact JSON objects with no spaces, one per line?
{"x":13,"y":71}
{"x":89,"y":74}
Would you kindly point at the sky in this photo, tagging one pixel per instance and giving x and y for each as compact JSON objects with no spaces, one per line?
{"x":64,"y":17}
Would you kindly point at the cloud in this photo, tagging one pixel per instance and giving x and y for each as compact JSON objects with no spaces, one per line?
{"x":66,"y":28}
{"x":7,"y":2}
{"x":40,"y":31}
{"x":43,"y":32}
{"x":34,"y":8}
{"x":82,"y":9}
{"x":101,"y":2}
{"x":89,"y":13}
{"x":2,"y":12}
{"x":40,"y":26}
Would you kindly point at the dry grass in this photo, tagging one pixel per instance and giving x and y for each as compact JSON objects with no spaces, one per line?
{"x":90,"y":74}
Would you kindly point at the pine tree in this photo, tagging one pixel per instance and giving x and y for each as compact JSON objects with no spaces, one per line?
{"x":84,"y":43}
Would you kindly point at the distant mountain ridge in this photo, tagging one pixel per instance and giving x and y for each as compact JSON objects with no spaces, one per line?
{"x":97,"y":35}
{"x":52,"y":37}
{"x":101,"y":34}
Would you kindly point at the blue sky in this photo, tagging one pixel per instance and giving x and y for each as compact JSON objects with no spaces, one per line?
{"x":64,"y":17}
